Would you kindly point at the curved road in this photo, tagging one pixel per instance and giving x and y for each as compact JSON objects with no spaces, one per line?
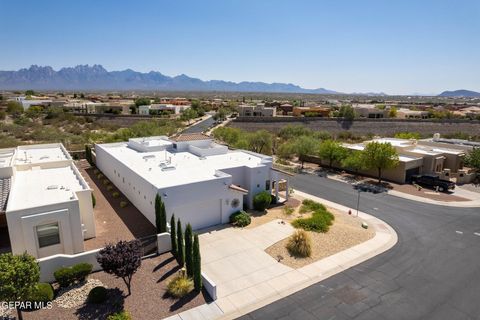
{"x":433,"y":272}
{"x":201,"y":126}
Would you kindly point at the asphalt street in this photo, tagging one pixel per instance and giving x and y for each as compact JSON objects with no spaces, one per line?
{"x":433,"y":272}
{"x":200,"y":127}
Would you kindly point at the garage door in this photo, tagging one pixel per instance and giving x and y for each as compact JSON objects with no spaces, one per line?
{"x":200,"y":214}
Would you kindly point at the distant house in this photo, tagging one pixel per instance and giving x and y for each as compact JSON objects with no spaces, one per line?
{"x":285,"y":108}
{"x":404,"y":113}
{"x":316,"y":111}
{"x":159,"y":107}
{"x":44,"y":200}
{"x":258,"y":110}
{"x":369,"y":111}
{"x":27,"y":102}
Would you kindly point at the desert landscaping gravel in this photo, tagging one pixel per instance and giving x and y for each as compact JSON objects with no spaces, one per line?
{"x":345,"y":232}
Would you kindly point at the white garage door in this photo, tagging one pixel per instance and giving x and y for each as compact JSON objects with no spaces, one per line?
{"x":200,"y":214}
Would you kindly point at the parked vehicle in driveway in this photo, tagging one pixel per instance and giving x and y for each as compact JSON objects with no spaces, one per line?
{"x":433,"y":181}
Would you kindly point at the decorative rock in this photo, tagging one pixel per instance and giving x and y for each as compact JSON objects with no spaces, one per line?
{"x":364,"y":225}
{"x":77,"y":294}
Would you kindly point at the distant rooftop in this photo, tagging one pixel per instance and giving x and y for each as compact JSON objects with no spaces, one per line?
{"x":191,"y":137}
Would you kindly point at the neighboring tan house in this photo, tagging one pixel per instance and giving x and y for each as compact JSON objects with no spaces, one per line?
{"x":159,"y":107}
{"x":46,"y":201}
{"x":369,"y":111}
{"x":258,"y":110}
{"x":317,"y":111}
{"x":404,"y":113}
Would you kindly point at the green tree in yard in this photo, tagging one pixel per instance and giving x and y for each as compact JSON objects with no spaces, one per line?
{"x":180,"y":245}
{"x":286,"y":151}
{"x":19,"y":274}
{"x":188,"y":114}
{"x":304,"y":146}
{"x":142,"y":102}
{"x":189,"y":250}
{"x":29,"y":93}
{"x":197,"y":264}
{"x":34,"y":112}
{"x":347,"y":112}
{"x":260,"y":141}
{"x":392,"y":113}
{"x":3,"y":115}
{"x":354,"y":161}
{"x":173,"y":236}
{"x":473,"y":159}
{"x":88,"y":154}
{"x":380,"y":156}
{"x":160,"y":215}
{"x":331,"y":151}
{"x":14,"y":108}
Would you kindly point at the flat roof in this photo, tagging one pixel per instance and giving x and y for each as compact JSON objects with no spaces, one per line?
{"x":39,"y":187}
{"x":6,"y":157}
{"x":40,"y":154}
{"x":170,"y":168}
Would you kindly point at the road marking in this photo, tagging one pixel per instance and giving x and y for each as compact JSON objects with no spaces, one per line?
{"x":459,"y":232}
{"x":477,"y":233}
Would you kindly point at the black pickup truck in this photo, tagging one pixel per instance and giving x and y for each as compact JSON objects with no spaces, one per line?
{"x":433,"y":181}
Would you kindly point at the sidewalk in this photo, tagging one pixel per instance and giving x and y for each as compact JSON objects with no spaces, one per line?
{"x":293,"y":280}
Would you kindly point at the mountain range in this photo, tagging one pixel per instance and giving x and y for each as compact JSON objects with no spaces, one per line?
{"x":85,"y":77}
{"x":460,"y":93}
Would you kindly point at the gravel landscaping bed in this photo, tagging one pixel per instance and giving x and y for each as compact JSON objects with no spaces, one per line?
{"x":345,"y":232}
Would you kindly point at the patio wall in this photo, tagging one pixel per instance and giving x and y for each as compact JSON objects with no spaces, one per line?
{"x":49,"y":265}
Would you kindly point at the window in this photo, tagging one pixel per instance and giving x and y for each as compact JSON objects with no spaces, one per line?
{"x":267,"y":185}
{"x":48,"y":234}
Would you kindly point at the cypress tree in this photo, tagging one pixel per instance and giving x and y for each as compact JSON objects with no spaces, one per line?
{"x":160,"y":215}
{"x":180,"y":245}
{"x":173,"y":236}
{"x":158,"y":209}
{"x":197,"y":264}
{"x":189,"y":250}
{"x":88,"y":154}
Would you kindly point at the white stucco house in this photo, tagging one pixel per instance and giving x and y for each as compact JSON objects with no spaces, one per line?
{"x":47,"y":204}
{"x":199,"y":181}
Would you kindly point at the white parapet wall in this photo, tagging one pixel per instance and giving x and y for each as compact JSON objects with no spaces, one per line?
{"x":210,"y":286}
{"x":164,"y":243}
{"x":49,"y":265}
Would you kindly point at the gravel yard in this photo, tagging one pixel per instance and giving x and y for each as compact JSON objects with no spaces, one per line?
{"x":345,"y":232}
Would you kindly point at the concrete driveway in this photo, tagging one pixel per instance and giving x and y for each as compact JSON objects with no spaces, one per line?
{"x":235,"y":260}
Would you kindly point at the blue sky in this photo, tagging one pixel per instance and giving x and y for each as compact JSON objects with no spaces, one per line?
{"x":398,"y":47}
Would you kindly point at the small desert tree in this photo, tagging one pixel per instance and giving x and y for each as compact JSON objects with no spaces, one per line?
{"x":197,"y":264}
{"x":88,"y":154}
{"x":160,"y":215}
{"x":173,"y":235}
{"x":189,"y":250}
{"x":473,"y":159}
{"x":304,"y":146}
{"x":380,"y":156}
{"x":354,"y":161}
{"x":331,"y":151}
{"x":19,"y":275}
{"x":122,"y":260}
{"x":180,"y":245}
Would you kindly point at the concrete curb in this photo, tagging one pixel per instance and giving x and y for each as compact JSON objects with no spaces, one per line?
{"x":384,"y":239}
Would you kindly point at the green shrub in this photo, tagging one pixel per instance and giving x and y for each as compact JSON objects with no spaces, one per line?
{"x":96,"y":171}
{"x":262,"y":200}
{"x":43,"y":292}
{"x":81,"y":271}
{"x":64,"y":276}
{"x":180,"y":286}
{"x":68,"y":275}
{"x":106,"y":182}
{"x":240,"y":219}
{"x":109,"y":187}
{"x":115,"y":194}
{"x":123,"y":204}
{"x":299,"y":244}
{"x":321,"y":218}
{"x":122,"y":315}
{"x":287,"y":210}
{"x":274,"y":199}
{"x":97,"y":295}
{"x":94,"y":201}
{"x":100,"y":176}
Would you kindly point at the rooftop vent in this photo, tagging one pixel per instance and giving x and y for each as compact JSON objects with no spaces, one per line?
{"x":52,"y":187}
{"x":168,"y":168}
{"x":44,"y":157}
{"x":151,"y":156}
